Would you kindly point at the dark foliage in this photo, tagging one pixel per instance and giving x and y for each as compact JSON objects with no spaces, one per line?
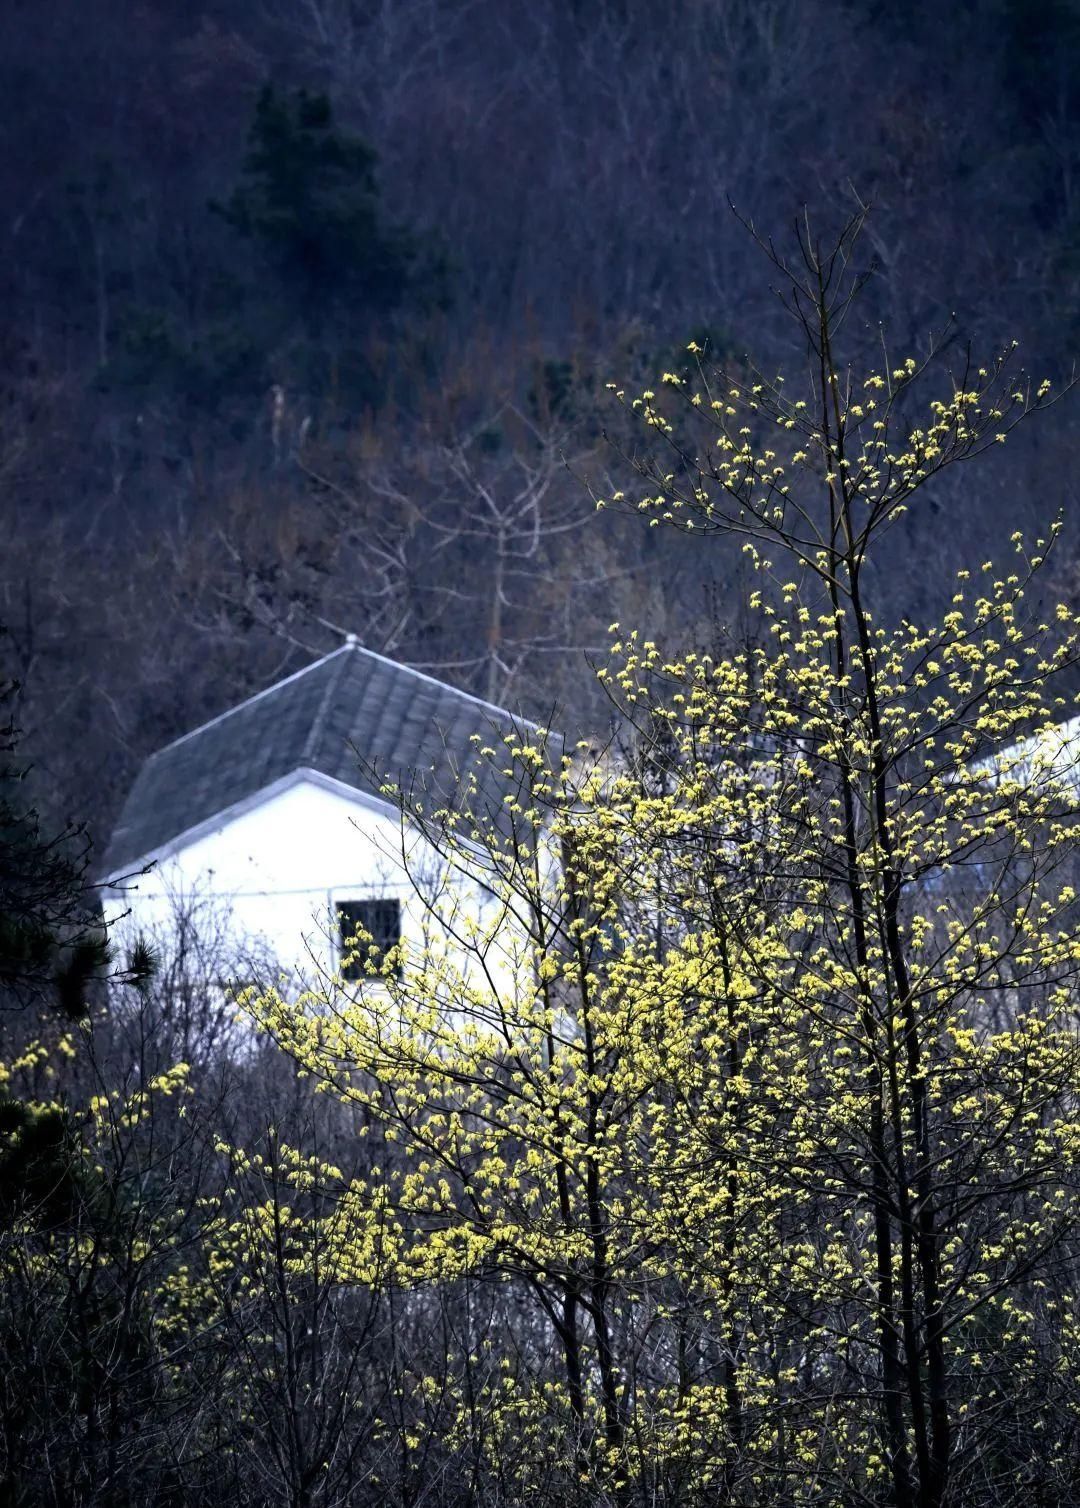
{"x":51,"y":946}
{"x":275,"y":275}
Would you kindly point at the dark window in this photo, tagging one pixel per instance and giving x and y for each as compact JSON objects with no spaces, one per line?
{"x":382,"y":919}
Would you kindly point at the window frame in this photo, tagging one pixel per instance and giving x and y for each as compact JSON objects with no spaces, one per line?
{"x":348,"y":910}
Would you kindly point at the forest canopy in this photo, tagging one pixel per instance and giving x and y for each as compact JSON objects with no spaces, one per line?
{"x":291,"y":289}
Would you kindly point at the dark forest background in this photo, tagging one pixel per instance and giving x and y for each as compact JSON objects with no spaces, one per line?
{"x":308,"y":307}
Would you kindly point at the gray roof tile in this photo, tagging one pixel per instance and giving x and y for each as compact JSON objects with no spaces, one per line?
{"x":354,"y":715}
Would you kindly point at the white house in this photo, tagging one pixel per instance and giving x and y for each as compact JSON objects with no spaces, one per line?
{"x":271,"y":820}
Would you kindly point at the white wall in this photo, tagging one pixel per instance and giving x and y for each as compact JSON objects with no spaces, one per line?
{"x":272,"y":873}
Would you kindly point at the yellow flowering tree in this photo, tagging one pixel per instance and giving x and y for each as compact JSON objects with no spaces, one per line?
{"x":759,"y":1088}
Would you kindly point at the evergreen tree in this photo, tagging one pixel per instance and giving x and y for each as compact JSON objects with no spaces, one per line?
{"x":309,"y":199}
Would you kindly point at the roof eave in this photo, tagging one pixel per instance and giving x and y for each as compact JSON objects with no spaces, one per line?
{"x":117,"y":876}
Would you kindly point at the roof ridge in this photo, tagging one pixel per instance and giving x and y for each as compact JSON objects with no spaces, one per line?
{"x":311,"y":742}
{"x":433,"y":680}
{"x":343,"y":649}
{"x":248,"y":701}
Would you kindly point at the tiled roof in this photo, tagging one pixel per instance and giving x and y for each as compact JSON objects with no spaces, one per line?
{"x":347,"y":716}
